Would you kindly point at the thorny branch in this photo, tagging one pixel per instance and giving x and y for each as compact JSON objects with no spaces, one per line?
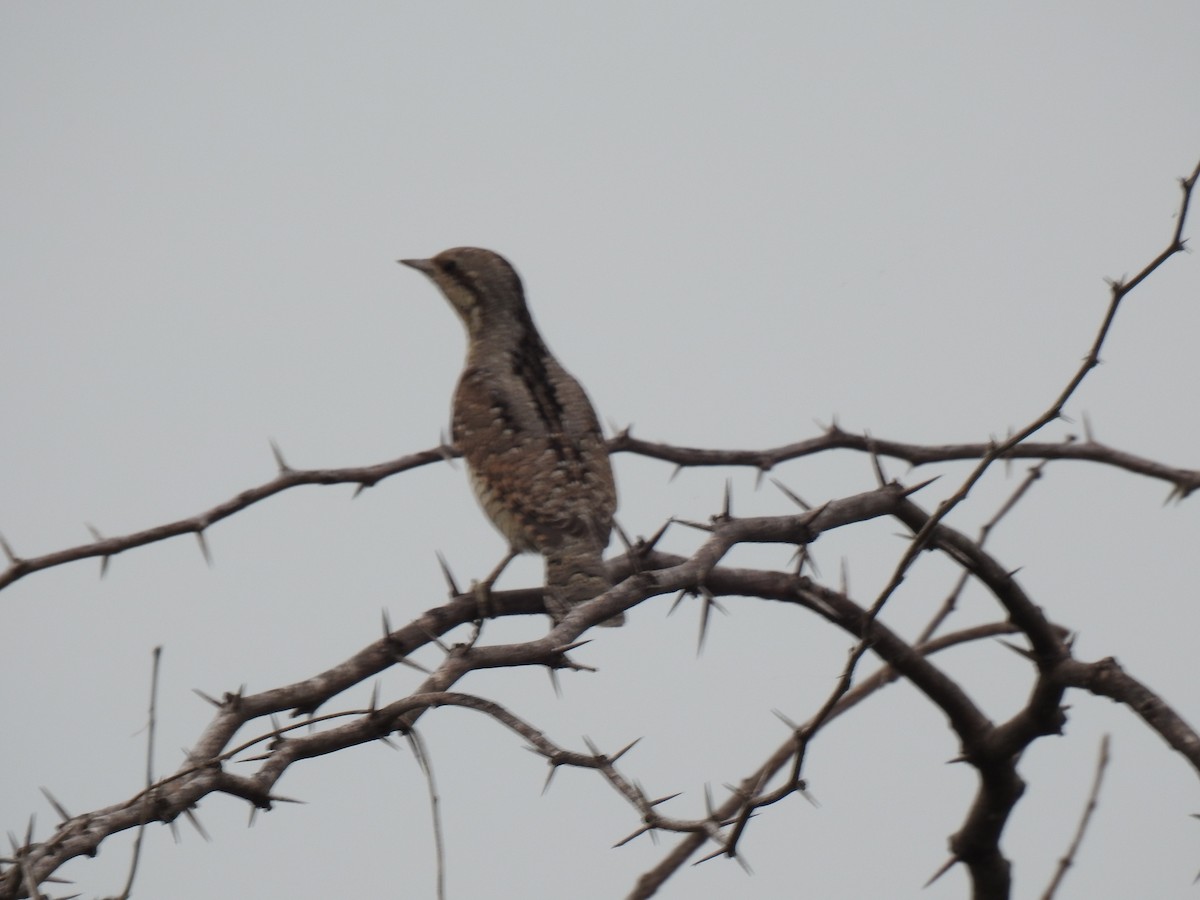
{"x":756,"y":798}
{"x":977,"y":844}
{"x":1183,"y":481}
{"x":991,"y":748}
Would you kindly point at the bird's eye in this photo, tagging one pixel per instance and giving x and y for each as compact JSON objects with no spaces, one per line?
{"x":450,"y":267}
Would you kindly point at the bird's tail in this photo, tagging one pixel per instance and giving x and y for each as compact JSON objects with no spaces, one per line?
{"x":573,"y":578}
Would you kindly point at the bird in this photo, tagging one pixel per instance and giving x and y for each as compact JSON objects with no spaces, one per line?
{"x":533,"y":447}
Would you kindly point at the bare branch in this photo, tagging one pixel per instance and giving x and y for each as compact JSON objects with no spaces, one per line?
{"x":1069,"y":858}
{"x":364,"y":476}
{"x":1106,"y":678}
{"x":1183,"y":480}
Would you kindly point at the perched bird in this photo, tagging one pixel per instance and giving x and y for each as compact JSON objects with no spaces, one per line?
{"x":533,"y":447}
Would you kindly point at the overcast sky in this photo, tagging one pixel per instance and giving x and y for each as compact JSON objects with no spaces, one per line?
{"x":734,"y":222}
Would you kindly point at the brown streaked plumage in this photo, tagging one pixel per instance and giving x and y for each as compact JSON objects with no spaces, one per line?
{"x":533,"y":446}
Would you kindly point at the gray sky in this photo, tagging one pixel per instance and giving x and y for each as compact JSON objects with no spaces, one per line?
{"x":733,"y":221}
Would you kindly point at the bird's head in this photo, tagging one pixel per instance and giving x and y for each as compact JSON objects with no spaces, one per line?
{"x":482,"y":286}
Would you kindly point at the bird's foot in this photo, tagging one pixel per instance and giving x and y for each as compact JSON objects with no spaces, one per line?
{"x":483,"y":589}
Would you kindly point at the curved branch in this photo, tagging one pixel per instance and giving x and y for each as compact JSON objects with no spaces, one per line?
{"x":1183,"y":481}
{"x":748,"y":796}
{"x":104,"y":548}
{"x":991,"y":749}
{"x":205,"y":773}
{"x":1106,"y":678}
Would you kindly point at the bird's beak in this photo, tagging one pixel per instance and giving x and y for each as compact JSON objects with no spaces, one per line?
{"x":421,"y":265}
